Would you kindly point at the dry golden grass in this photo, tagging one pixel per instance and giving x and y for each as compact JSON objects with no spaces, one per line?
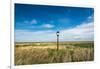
{"x":25,"y":55}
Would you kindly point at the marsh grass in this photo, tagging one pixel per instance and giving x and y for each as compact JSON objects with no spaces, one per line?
{"x":26,"y":55}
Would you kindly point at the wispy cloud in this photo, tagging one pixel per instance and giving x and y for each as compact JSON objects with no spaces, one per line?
{"x":47,"y":26}
{"x":26,"y":35}
{"x":80,"y":32}
{"x":33,"y":21}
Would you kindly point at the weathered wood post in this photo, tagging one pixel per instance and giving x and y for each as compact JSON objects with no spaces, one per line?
{"x":57,"y":33}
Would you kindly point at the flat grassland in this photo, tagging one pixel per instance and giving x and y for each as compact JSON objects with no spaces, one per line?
{"x":27,"y":53}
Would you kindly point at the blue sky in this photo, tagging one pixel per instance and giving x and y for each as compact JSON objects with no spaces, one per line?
{"x":39,"y":23}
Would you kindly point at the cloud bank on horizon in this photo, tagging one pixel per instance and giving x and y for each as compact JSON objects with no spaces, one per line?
{"x":39,"y":23}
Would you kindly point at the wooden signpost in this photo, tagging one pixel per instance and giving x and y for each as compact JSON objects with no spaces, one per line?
{"x":57,"y":33}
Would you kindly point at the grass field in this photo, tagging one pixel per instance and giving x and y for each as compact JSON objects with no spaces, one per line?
{"x":45,"y":52}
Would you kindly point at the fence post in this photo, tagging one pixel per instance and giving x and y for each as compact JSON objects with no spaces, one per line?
{"x":57,"y":33}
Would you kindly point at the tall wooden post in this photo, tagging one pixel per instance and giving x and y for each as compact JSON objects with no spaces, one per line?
{"x":57,"y":33}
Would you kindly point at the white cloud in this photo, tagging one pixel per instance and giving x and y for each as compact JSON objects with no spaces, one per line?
{"x":25,"y":35}
{"x":47,"y":26}
{"x":80,"y":32}
{"x":34,"y":21}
